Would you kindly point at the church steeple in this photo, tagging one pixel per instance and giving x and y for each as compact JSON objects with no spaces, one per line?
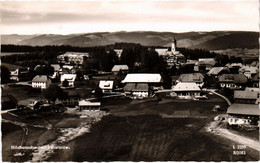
{"x":174,"y":45}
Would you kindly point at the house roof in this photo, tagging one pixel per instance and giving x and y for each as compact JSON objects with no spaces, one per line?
{"x":161,"y":51}
{"x":191,"y":77}
{"x":136,"y":87}
{"x":238,"y":94}
{"x":209,"y":61}
{"x":251,"y":69}
{"x":106,"y":84}
{"x":72,"y":54}
{"x":216,"y":70}
{"x":88,"y":103}
{"x":186,"y":87}
{"x":235,"y":78}
{"x":142,"y":78}
{"x":244,"y":109}
{"x":253,"y":89}
{"x":56,"y":67}
{"x":67,"y":67}
{"x":68,"y":77}
{"x":40,"y":78}
{"x":117,"y":68}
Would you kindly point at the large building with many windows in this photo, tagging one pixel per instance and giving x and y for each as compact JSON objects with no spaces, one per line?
{"x":72,"y":58}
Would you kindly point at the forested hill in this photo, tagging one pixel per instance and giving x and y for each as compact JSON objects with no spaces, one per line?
{"x":198,"y":40}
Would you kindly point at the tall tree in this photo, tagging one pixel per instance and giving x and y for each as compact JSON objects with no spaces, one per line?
{"x":54,"y":92}
{"x":5,"y":75}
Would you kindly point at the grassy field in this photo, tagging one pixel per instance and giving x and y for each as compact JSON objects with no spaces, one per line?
{"x":136,"y":130}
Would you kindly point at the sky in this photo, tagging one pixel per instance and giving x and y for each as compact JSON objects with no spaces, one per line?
{"x":68,"y":17}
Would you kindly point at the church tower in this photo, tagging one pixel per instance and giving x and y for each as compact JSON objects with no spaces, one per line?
{"x":174,"y":45}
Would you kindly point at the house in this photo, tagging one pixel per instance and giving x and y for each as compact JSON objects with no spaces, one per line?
{"x":206,"y":63}
{"x":72,"y":58}
{"x":137,"y":89}
{"x":122,"y":68}
{"x":248,"y":71}
{"x":243,"y":114}
{"x":232,"y":81}
{"x":234,"y":67}
{"x":246,"y":96}
{"x":197,"y":78}
{"x":216,"y":71}
{"x":106,"y":85}
{"x":72,"y":99}
{"x":19,"y":74}
{"x":187,"y":89}
{"x":41,"y":81}
{"x":118,"y":52}
{"x":56,"y":68}
{"x":87,"y":105}
{"x":70,"y":78}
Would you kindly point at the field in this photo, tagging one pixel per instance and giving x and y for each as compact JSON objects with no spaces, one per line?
{"x":138,"y":130}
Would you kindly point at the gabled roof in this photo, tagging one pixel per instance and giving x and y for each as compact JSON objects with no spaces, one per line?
{"x":233,"y":78}
{"x":142,"y":78}
{"x":216,"y":70}
{"x":162,"y":51}
{"x":251,"y":69}
{"x":106,"y":84}
{"x":245,"y":94}
{"x":186,"y":87}
{"x":136,"y":87}
{"x":244,"y":109}
{"x":191,"y":77}
{"x":117,"y":68}
{"x":88,"y":103}
{"x":40,"y":78}
{"x":68,"y":77}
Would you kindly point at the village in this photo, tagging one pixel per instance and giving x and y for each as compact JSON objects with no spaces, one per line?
{"x":226,"y":93}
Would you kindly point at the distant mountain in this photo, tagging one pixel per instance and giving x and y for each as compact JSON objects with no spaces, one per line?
{"x":205,"y":40}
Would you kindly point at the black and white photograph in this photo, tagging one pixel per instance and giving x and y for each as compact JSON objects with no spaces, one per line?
{"x":130,"y":81}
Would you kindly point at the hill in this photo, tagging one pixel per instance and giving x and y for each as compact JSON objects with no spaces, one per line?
{"x":206,"y":40}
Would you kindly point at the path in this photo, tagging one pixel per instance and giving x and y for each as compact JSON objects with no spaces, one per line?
{"x":214,"y":128}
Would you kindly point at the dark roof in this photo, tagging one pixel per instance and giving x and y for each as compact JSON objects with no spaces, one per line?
{"x":136,"y":87}
{"x":233,"y":78}
{"x":192,"y":77}
{"x":245,"y":94}
{"x":244,"y":109}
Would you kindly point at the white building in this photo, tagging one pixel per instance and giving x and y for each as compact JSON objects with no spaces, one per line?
{"x":106,"y":85}
{"x":187,"y":89}
{"x":70,"y":78}
{"x":41,"y":81}
{"x":72,"y":57}
{"x":87,"y":105}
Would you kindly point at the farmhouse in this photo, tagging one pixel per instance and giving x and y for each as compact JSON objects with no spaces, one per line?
{"x":245,"y":96}
{"x":232,"y":81}
{"x":87,"y":105}
{"x":72,"y":99}
{"x":72,"y":58}
{"x":19,"y":74}
{"x":243,"y":114}
{"x":118,"y":52}
{"x":137,"y":89}
{"x":41,"y":81}
{"x":70,"y":78}
{"x":187,"y":89}
{"x":197,"y":78}
{"x":118,"y":68}
{"x":106,"y":85}
{"x":248,"y":71}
